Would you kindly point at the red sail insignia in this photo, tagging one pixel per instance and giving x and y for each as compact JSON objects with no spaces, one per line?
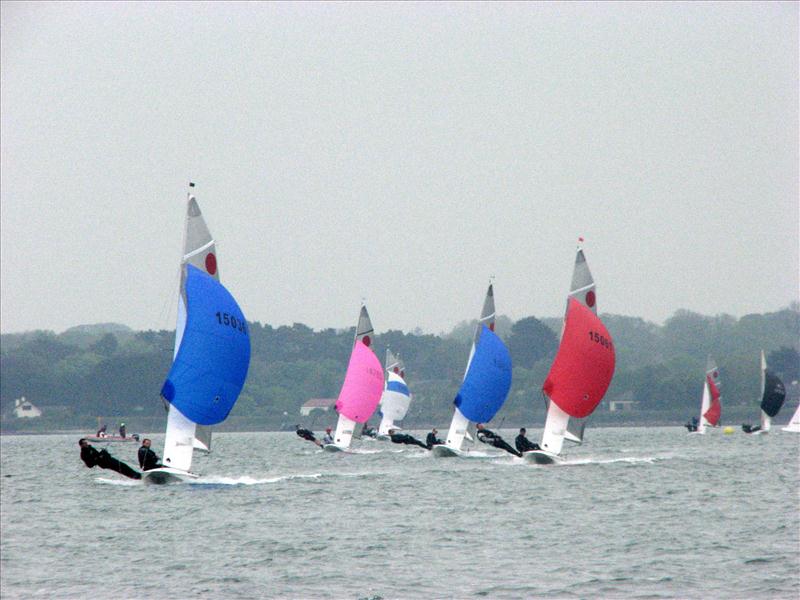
{"x":584,"y":365}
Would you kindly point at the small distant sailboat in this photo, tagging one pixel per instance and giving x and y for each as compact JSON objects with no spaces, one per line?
{"x":396,"y":398}
{"x":794,"y":425}
{"x":485,"y":386}
{"x":361,"y":391}
{"x":711,"y":404}
{"x":773,"y":393}
{"x":582,"y":370}
{"x":211,"y":356}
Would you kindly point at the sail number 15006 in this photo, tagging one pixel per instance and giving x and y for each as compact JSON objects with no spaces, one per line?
{"x":225,"y":319}
{"x":600,"y":339}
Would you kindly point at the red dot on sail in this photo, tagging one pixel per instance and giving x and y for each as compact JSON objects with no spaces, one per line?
{"x":366,"y":341}
{"x":590,"y":299}
{"x":211,"y":263}
{"x":491,"y":326}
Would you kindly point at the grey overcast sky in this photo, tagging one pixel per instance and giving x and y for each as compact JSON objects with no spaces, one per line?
{"x":402,"y":153}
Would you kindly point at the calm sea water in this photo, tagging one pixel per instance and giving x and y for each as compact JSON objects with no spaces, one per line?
{"x":635,"y":513}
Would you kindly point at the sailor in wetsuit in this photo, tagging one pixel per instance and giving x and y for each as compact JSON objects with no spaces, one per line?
{"x":490,"y":437}
{"x":328,"y":438}
{"x":307,"y":434}
{"x":692,"y":425}
{"x":523,"y":444}
{"x":147,"y":458}
{"x":404,"y":438}
{"x":92,"y":457}
{"x":432,"y":440}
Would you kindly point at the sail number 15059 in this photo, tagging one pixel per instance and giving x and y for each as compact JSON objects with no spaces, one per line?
{"x":600,"y":339}
{"x":231,"y":321}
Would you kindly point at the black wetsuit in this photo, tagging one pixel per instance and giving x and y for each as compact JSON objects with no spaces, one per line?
{"x":751,"y":428}
{"x":148,"y":459}
{"x":692,"y":425}
{"x":432,"y":441}
{"x":523,"y":444}
{"x":307,"y":435}
{"x":404,"y":438}
{"x":92,"y":457}
{"x":369,"y":432}
{"x":491,"y":438}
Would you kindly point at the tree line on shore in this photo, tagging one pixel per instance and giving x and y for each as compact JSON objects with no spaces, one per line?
{"x":111,"y":371}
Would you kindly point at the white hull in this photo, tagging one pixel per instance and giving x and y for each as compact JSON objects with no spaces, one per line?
{"x":542,"y":457}
{"x":443,"y":451}
{"x":334,"y":448}
{"x":167,"y":475}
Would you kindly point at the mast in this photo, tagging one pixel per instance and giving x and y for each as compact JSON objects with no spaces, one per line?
{"x":363,"y":383}
{"x":460,"y":425}
{"x":710,"y":406}
{"x":199,"y":250}
{"x":396,"y":397}
{"x":558,"y":424}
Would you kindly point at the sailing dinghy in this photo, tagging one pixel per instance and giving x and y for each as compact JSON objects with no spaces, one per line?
{"x":581,"y":372}
{"x":710,"y":405}
{"x":773,"y":393}
{"x":487,"y":380}
{"x":396,"y":398}
{"x":211,"y":355}
{"x":361,"y":390}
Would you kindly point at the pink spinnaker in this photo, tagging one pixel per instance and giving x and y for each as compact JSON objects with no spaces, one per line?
{"x":363,"y":385}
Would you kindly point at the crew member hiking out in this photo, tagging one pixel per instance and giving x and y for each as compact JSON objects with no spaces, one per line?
{"x":490,"y":437}
{"x":523,"y":444}
{"x":404,"y":438}
{"x":307,"y":434}
{"x":94,"y":458}
{"x":147,"y":458}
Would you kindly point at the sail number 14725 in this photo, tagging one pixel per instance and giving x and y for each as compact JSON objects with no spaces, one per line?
{"x":600,"y":339}
{"x":225,"y":319}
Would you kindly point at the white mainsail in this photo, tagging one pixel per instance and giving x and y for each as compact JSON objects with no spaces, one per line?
{"x":396,"y":398}
{"x":199,"y":250}
{"x":558,"y":425}
{"x":460,"y":426}
{"x":794,"y":425}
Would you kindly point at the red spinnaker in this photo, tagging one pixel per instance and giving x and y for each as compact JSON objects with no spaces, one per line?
{"x":584,"y":365}
{"x":715,"y":410}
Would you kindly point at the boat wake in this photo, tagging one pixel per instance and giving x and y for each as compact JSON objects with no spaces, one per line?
{"x":649,"y":460}
{"x":579,"y":462}
{"x":120,"y":482}
{"x":245,"y":480}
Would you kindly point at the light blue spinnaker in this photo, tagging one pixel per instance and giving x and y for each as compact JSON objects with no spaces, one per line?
{"x":488,"y":380}
{"x":211,"y":365}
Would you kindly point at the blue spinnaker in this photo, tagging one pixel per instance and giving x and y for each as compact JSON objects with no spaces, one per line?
{"x":211,"y":364}
{"x":397,"y":386}
{"x":488,"y":379}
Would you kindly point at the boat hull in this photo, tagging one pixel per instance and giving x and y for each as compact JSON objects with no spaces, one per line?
{"x":542,"y":457}
{"x":164,"y":475}
{"x":443,"y":451}
{"x":333,"y":448}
